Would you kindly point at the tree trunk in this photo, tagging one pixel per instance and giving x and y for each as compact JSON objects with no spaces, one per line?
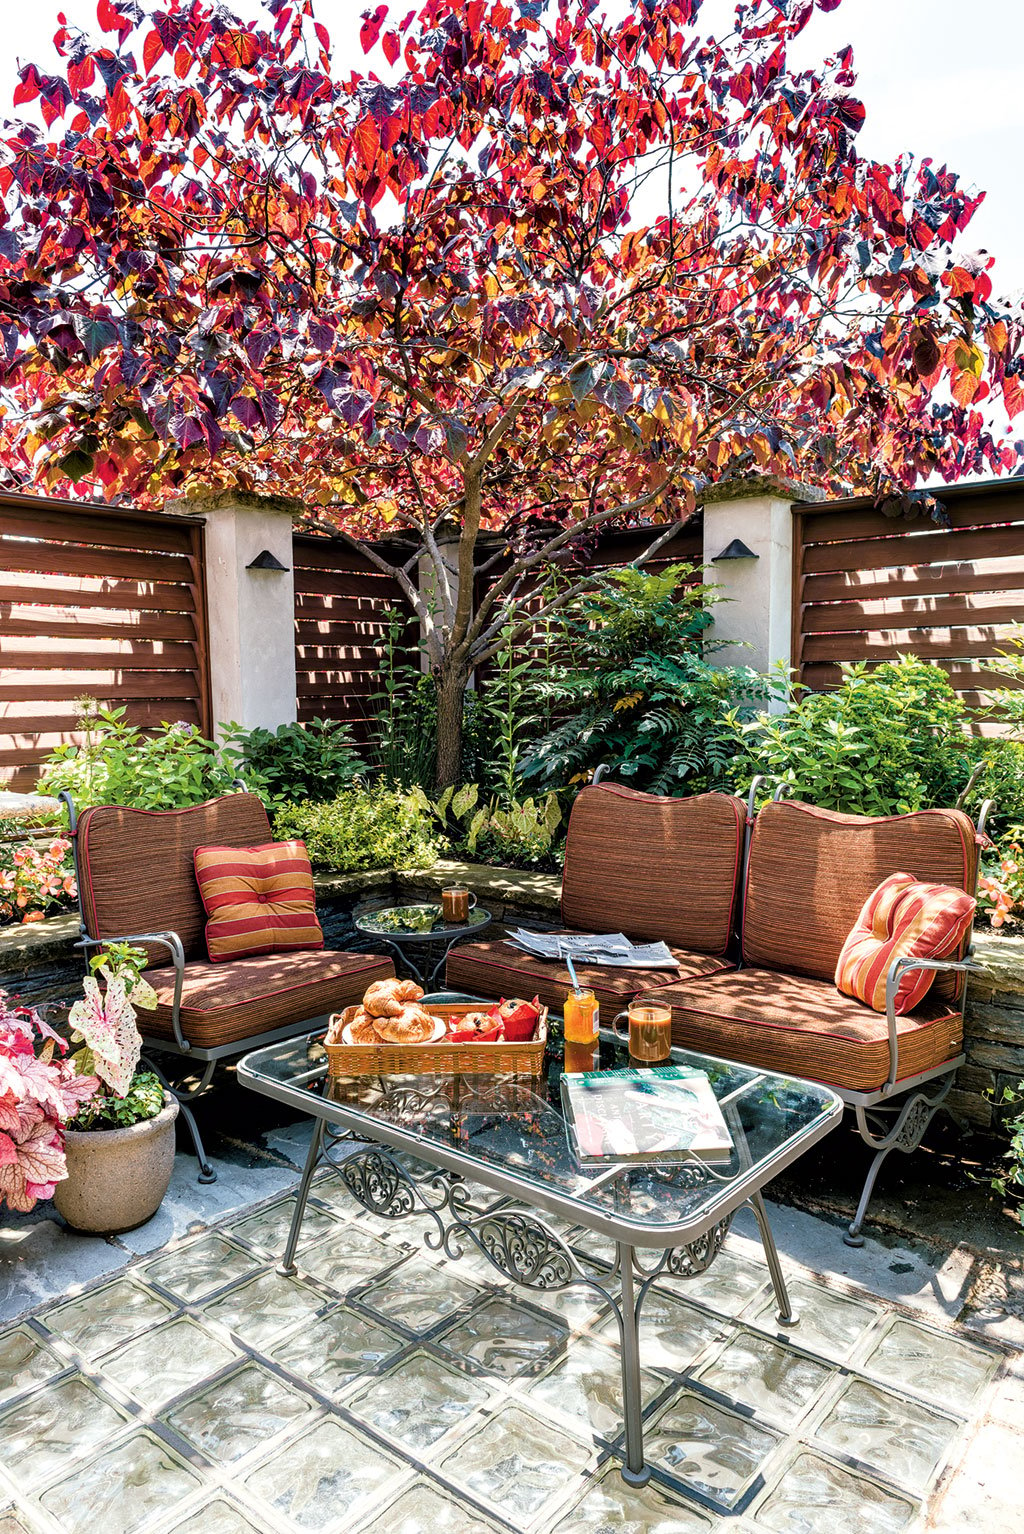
{"x":451,"y":684}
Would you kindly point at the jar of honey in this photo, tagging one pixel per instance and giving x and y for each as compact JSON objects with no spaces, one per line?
{"x":581,"y":1019}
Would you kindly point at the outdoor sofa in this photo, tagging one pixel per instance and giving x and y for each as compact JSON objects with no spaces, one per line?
{"x":756,"y":910}
{"x":136,"y":882}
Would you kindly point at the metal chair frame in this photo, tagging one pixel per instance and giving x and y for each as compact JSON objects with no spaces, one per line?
{"x":207,"y":1056}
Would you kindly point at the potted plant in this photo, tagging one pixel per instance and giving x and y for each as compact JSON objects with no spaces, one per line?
{"x":39,"y":1092}
{"x":119,"y":1146}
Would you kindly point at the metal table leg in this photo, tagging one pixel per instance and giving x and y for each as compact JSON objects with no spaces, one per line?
{"x":635,"y":1472}
{"x":286,"y":1267}
{"x":784,"y":1314}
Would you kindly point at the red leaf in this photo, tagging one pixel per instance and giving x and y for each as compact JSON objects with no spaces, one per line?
{"x":119,"y":107}
{"x":392,"y":47}
{"x":1013,"y":394}
{"x":366,"y":140}
{"x":28,"y":89}
{"x":151,"y":51}
{"x":323,"y":36}
{"x":108,"y":18}
{"x":370,"y":29}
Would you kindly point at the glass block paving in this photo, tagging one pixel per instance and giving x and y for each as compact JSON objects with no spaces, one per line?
{"x":388,"y":1390}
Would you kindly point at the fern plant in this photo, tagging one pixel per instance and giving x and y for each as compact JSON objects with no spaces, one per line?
{"x":643,"y":698}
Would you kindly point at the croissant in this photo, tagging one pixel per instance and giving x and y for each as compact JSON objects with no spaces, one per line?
{"x":411,"y":1025}
{"x":386,"y":998}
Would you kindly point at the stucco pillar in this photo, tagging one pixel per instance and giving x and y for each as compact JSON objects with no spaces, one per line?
{"x":251,"y":610}
{"x":752,"y":525}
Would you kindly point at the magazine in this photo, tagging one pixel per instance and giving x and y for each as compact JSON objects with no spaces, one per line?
{"x":594,"y":948}
{"x":669,"y":1113}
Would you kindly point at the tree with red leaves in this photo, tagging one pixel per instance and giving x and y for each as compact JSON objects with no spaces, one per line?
{"x":424,"y":299}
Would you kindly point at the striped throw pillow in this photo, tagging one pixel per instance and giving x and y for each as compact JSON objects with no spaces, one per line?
{"x":257,"y":899}
{"x":902,"y":919}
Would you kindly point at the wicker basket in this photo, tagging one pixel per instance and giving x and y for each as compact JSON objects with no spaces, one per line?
{"x":502,"y":1057}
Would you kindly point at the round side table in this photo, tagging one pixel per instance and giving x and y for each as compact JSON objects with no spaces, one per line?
{"x":420,"y":930}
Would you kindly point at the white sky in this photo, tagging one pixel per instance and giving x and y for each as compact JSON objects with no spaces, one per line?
{"x":937,"y":77}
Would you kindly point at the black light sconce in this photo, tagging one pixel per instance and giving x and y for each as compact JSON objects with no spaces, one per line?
{"x":735,"y":550}
{"x":266,"y":561}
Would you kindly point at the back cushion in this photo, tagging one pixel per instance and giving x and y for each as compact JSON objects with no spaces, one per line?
{"x":137,"y":866}
{"x":811,"y":871}
{"x":654,"y":868}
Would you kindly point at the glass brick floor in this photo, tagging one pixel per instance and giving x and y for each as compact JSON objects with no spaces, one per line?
{"x":387,"y":1389}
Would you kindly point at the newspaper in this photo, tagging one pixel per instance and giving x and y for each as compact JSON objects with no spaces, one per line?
{"x":612,"y":948}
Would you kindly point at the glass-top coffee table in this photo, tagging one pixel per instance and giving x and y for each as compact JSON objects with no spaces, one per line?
{"x":488,"y":1157}
{"x":420,"y":930}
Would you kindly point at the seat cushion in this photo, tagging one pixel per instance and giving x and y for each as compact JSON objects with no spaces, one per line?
{"x":258,"y":900}
{"x":902,"y":919}
{"x":136,"y":866}
{"x":230,"y":1003}
{"x":655,"y":868}
{"x":810,"y":872}
{"x":496,"y":968}
{"x":805,"y":1027}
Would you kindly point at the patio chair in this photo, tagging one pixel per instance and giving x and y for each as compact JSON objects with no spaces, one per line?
{"x":808,"y":873}
{"x":657,"y":869}
{"x":136,"y":883}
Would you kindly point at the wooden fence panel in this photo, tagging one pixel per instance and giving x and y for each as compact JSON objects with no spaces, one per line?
{"x":870,"y":587}
{"x":95,"y":603}
{"x":343,"y":606}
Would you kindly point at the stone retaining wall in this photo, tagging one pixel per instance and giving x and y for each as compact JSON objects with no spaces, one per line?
{"x":38,"y":963}
{"x":993,"y":1030}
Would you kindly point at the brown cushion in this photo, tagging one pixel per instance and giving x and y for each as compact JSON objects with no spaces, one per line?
{"x":496,"y":968}
{"x":805,"y":1027}
{"x":136,"y":865}
{"x":225,"y":1003}
{"x":811,"y":871}
{"x":662,"y":869}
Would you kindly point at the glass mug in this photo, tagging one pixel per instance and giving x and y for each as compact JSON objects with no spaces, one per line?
{"x":650,"y":1031}
{"x":456,"y":904}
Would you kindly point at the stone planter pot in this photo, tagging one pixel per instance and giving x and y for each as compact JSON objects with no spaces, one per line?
{"x":117,"y":1177}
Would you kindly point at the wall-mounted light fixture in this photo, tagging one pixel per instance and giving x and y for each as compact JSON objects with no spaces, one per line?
{"x":735,"y":550}
{"x":265,"y":560}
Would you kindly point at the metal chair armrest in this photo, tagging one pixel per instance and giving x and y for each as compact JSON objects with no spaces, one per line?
{"x":897,"y":969}
{"x":172,"y":942}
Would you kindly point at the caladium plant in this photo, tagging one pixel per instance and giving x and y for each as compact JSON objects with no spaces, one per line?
{"x":39,"y":1093}
{"x":103,"y":1021}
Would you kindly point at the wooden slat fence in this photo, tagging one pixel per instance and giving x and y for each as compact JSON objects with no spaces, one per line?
{"x":98,"y":603}
{"x":869,"y":587}
{"x":343,"y":605}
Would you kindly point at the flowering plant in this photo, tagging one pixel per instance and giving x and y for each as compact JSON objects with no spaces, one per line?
{"x":34,"y":881}
{"x":39,"y":1093}
{"x":1001,"y":886}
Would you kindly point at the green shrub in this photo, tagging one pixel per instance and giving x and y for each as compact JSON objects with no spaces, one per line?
{"x":118,"y":763}
{"x":143,"y":1100}
{"x":296,"y":761}
{"x":513,"y":834}
{"x":890,"y":739}
{"x":377,"y":827}
{"x":635,"y":691}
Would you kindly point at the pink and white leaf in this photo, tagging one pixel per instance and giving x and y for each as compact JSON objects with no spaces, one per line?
{"x":106,"y":1022}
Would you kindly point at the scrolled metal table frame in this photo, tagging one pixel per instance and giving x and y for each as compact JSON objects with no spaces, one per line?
{"x":524,"y":1249}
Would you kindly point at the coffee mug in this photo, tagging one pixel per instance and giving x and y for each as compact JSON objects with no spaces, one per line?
{"x":650,"y":1031}
{"x":456,"y":903}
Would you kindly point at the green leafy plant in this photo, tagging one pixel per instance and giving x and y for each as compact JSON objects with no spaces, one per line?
{"x":1001,"y":883}
{"x":118,"y":763}
{"x":1010,"y":1184}
{"x":516,"y":834}
{"x":296,"y":761}
{"x":635,"y":690}
{"x":380,"y":826}
{"x":890,"y":739}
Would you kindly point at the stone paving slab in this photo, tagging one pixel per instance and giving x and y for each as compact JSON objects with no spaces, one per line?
{"x":388,"y":1389}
